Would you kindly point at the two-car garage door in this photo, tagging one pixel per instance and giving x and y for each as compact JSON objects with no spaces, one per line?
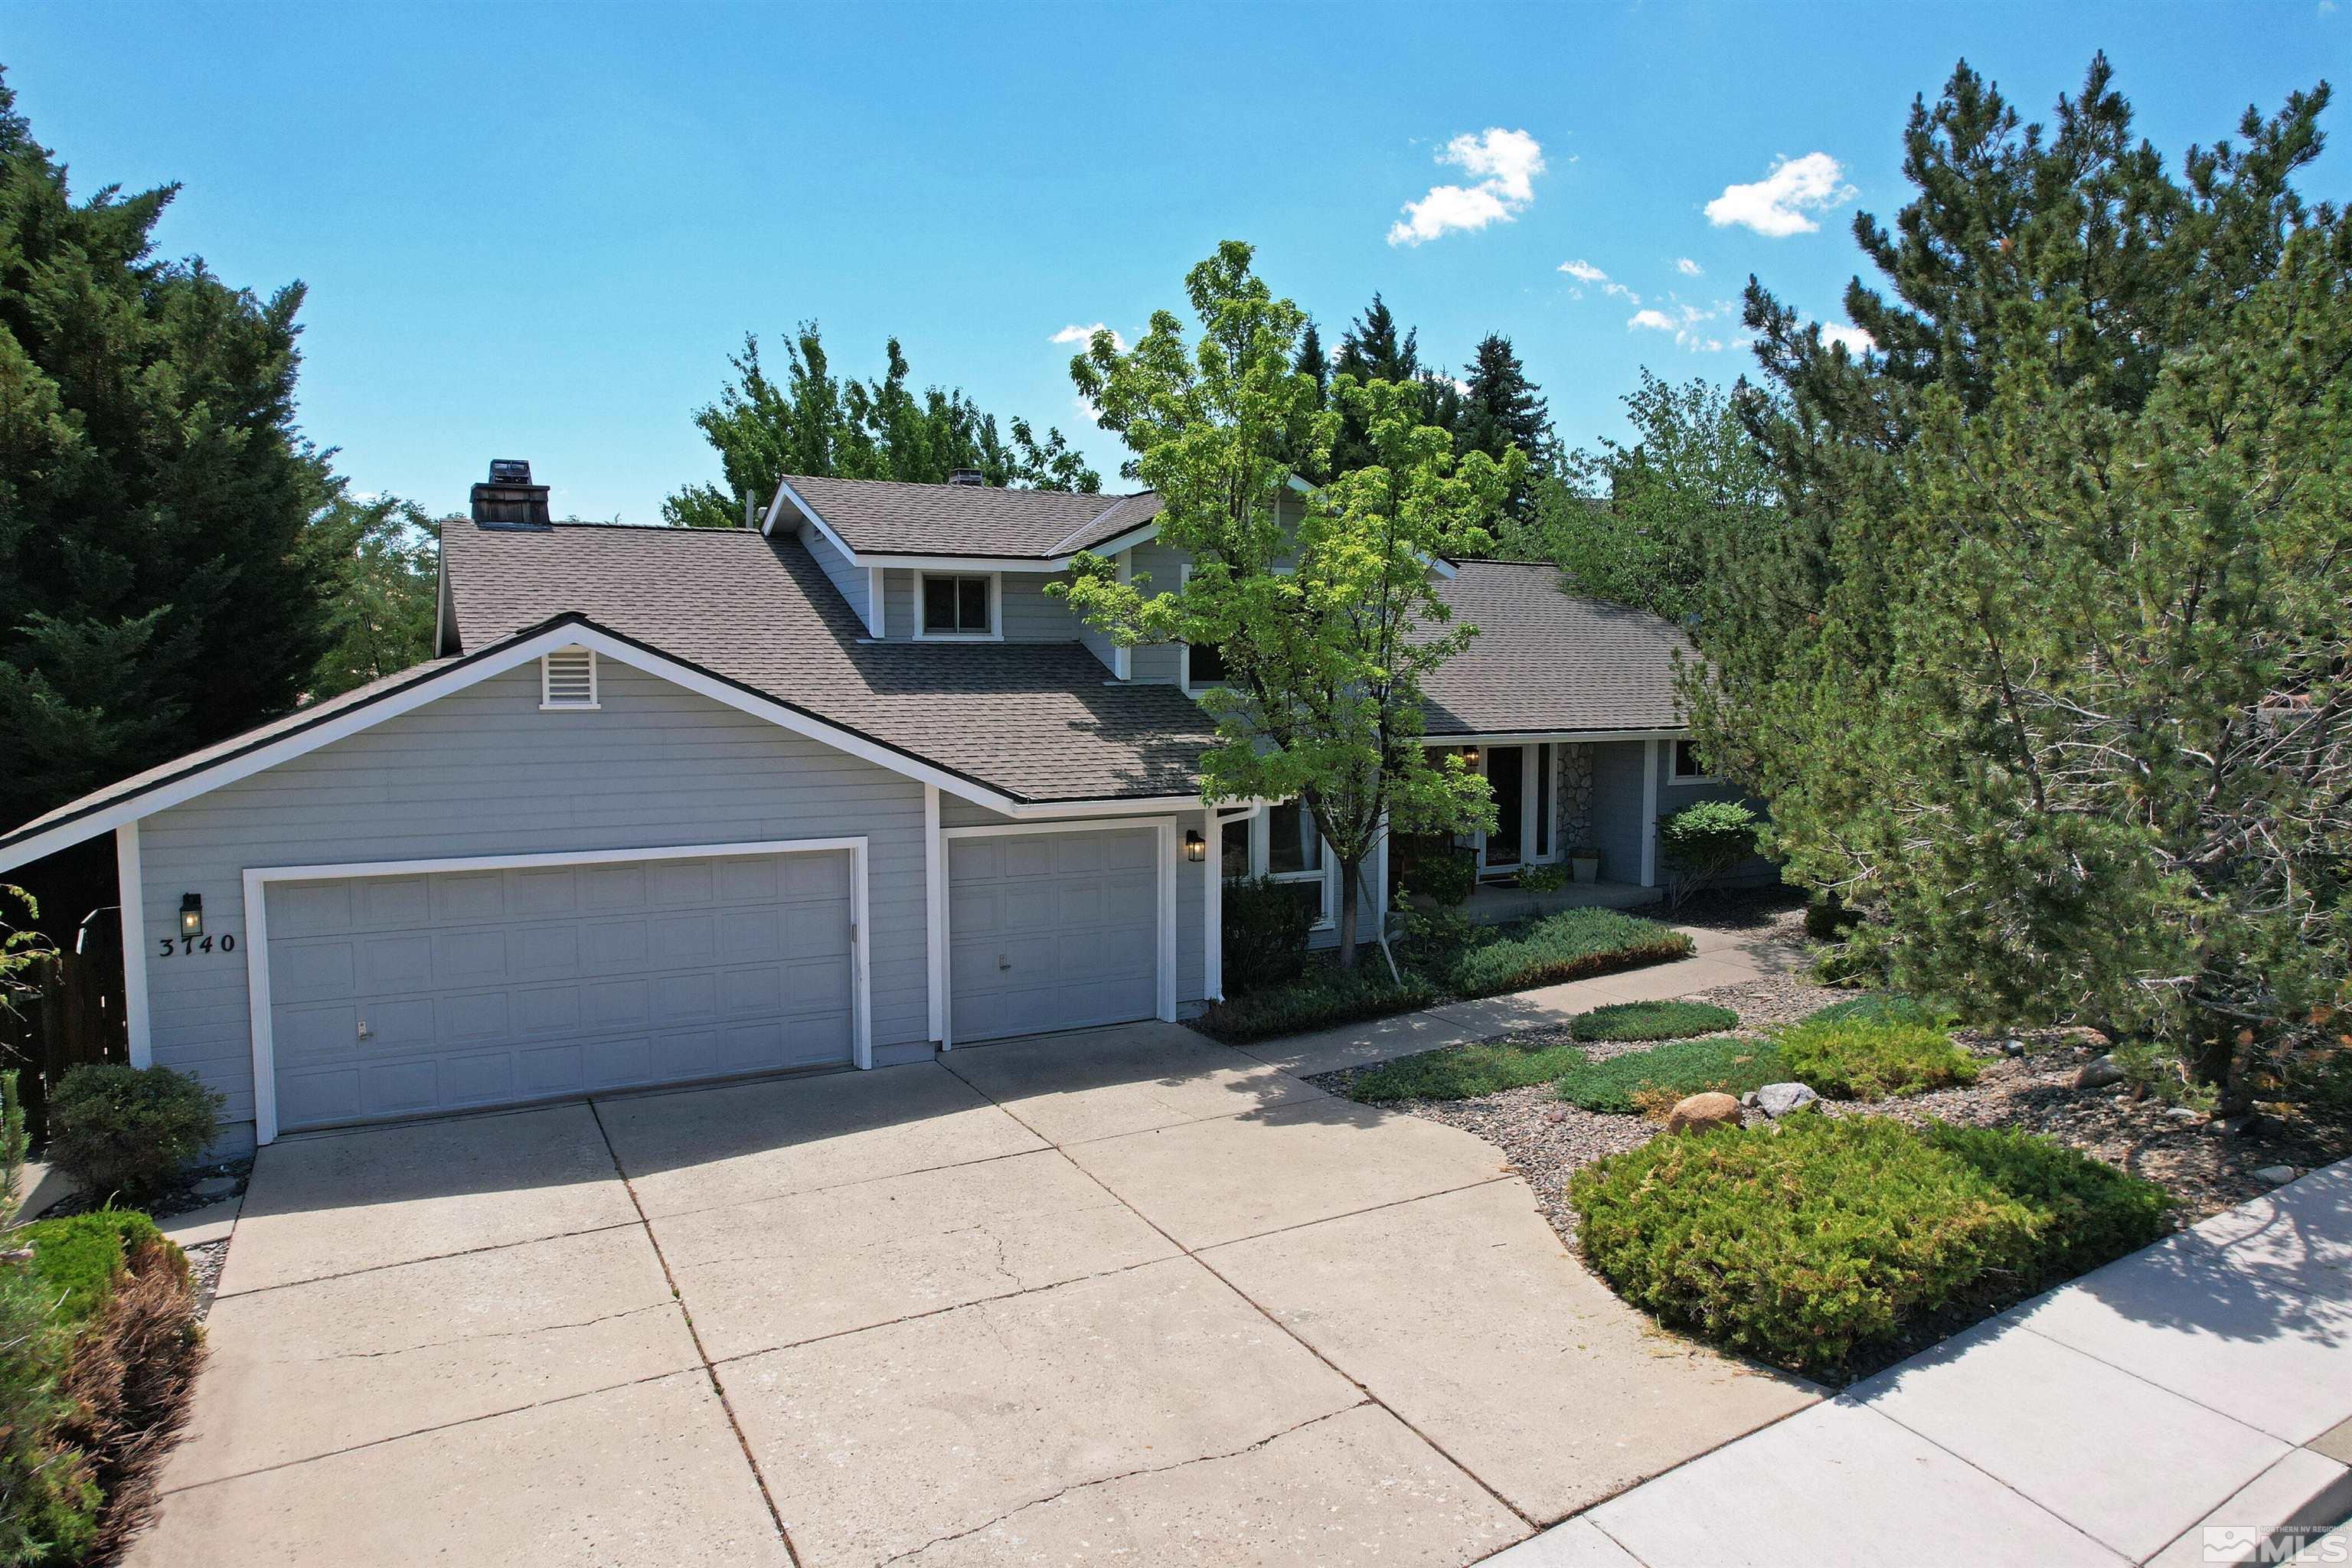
{"x":398,"y":996}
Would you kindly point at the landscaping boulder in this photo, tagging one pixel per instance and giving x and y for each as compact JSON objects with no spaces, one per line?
{"x":2099,"y":1073}
{"x":2278,"y":1176}
{"x":1776,"y":1100}
{"x":1701,"y":1111}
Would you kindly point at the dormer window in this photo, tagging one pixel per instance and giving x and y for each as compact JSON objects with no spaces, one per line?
{"x":567,"y":680}
{"x":956,"y":605}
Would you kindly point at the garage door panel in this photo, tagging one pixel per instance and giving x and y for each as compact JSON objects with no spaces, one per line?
{"x":1052,"y":931}
{"x":477,"y":988}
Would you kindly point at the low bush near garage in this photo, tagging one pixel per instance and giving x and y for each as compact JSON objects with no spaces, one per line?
{"x":128,"y":1130}
{"x":1859,"y":1057}
{"x":1653,"y":1021}
{"x":1324,"y":995}
{"x":98,"y":1344}
{"x":1568,"y":945}
{"x":1807,"y":1241}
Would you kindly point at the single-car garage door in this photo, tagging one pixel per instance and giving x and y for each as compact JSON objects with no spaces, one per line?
{"x":398,"y":996}
{"x":1051,"y":931}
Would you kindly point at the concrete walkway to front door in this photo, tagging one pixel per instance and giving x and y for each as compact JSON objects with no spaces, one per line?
{"x":1122,"y":1295}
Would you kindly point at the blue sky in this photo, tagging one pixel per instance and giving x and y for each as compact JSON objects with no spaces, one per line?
{"x":538,"y":231}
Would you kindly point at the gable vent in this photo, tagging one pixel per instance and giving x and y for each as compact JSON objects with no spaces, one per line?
{"x":567,"y":678}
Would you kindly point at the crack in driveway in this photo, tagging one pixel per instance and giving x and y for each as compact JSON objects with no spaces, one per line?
{"x":493,"y":1334}
{"x":1023,"y":1508}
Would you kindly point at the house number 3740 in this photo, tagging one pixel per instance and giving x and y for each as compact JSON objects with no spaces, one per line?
{"x":185,"y":946}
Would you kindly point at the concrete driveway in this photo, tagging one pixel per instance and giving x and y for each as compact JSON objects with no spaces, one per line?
{"x":1120,"y":1294}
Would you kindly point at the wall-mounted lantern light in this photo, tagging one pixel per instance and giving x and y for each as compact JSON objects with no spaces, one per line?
{"x":1470,"y":756}
{"x":1196,"y":848}
{"x":191,"y":914}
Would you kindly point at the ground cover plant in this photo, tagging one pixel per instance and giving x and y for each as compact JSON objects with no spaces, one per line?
{"x":1861,"y":1058}
{"x":1653,"y":1021}
{"x":1465,"y":1072}
{"x":1649,"y":1082}
{"x":1448,"y":959}
{"x":1809,"y":1241}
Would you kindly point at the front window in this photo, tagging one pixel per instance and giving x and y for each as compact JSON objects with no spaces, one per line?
{"x":1686,"y":763}
{"x":1282,"y":844}
{"x":955,"y":607}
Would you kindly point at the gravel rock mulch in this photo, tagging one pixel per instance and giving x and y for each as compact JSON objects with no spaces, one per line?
{"x":2205,"y":1169}
{"x":205,"y":1265}
{"x":200,"y":1186}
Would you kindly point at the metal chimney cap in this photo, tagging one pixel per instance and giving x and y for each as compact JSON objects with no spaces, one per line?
{"x":510,"y":471}
{"x":971,"y":477}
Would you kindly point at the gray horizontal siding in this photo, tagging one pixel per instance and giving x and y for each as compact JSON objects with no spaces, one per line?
{"x":1025,"y":612}
{"x":847,"y":576}
{"x":1618,"y":816}
{"x":484,"y":772}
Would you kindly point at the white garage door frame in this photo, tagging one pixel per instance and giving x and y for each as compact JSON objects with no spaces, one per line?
{"x":258,"y":879}
{"x":1164,"y":871}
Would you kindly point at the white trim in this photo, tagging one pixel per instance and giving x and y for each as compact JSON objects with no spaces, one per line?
{"x":1169,"y":850}
{"x":1529,"y":737}
{"x":130,"y":889}
{"x":269,"y":754}
{"x":1674,"y":780}
{"x":547,"y":703}
{"x":1650,"y":815}
{"x":1171,"y":853}
{"x":935,"y":915}
{"x":877,"y":619}
{"x":258,"y":879}
{"x":1122,"y":656}
{"x":1213,"y":901}
{"x":995,"y":632}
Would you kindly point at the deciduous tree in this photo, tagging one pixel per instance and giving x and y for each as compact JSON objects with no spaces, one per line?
{"x":1322,"y":604}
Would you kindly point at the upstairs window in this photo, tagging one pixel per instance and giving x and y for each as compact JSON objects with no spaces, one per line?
{"x":1688,"y":767}
{"x":567,"y":680}
{"x":958,"y":606}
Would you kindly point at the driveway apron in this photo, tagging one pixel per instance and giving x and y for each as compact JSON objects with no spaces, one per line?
{"x":1121,"y":1294}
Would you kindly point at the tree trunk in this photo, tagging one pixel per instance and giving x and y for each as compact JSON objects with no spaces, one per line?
{"x":2213,"y":1060}
{"x":1348,"y":901}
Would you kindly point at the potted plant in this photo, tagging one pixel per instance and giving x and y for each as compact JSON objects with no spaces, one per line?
{"x":1585,"y":860}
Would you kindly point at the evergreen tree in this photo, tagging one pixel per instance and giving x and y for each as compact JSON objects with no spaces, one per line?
{"x":154,"y":591}
{"x":818,"y":424}
{"x":1500,"y":409}
{"x":1373,"y":348}
{"x":2044,"y":666}
{"x":383,"y":557}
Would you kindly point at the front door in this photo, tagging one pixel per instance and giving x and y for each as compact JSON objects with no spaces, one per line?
{"x":1506,"y":776}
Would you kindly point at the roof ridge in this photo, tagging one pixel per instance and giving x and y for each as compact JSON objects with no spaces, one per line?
{"x":1093,"y":522}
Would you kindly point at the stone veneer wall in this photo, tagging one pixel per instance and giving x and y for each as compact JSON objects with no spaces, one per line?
{"x":1575,"y":764}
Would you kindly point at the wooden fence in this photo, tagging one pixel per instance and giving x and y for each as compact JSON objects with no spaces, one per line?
{"x":72,"y":1014}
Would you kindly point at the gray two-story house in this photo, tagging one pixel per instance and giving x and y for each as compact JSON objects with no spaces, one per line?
{"x":844,"y":788}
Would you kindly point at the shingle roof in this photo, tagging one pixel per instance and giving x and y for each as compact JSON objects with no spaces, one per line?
{"x":1546,"y":661}
{"x":1034,"y":721}
{"x":884,"y":517}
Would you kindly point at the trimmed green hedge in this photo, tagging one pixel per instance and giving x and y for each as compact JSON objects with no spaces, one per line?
{"x":1568,"y":945}
{"x":1858,"y":1057}
{"x":1653,"y":1021}
{"x":76,"y":1259}
{"x":1324,"y":995}
{"x":1809,"y":1241}
{"x":1668,"y":1072}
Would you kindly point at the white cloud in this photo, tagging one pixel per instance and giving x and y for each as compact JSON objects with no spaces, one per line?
{"x":1857,"y":342}
{"x":1776,"y":205}
{"x":1689,"y":267}
{"x":1585,"y":272}
{"x":1073,"y":333}
{"x":1684,"y":321}
{"x":1504,"y":163}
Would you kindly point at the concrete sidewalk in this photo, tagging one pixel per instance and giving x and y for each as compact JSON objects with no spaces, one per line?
{"x":2178,"y":1407}
{"x":1717,"y":958}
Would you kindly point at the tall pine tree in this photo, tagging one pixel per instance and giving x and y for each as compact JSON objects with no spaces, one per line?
{"x":816,"y":423}
{"x":154,"y":591}
{"x":1501,"y":409}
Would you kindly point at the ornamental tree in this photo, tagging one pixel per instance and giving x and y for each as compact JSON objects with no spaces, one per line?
{"x":1320,"y":600}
